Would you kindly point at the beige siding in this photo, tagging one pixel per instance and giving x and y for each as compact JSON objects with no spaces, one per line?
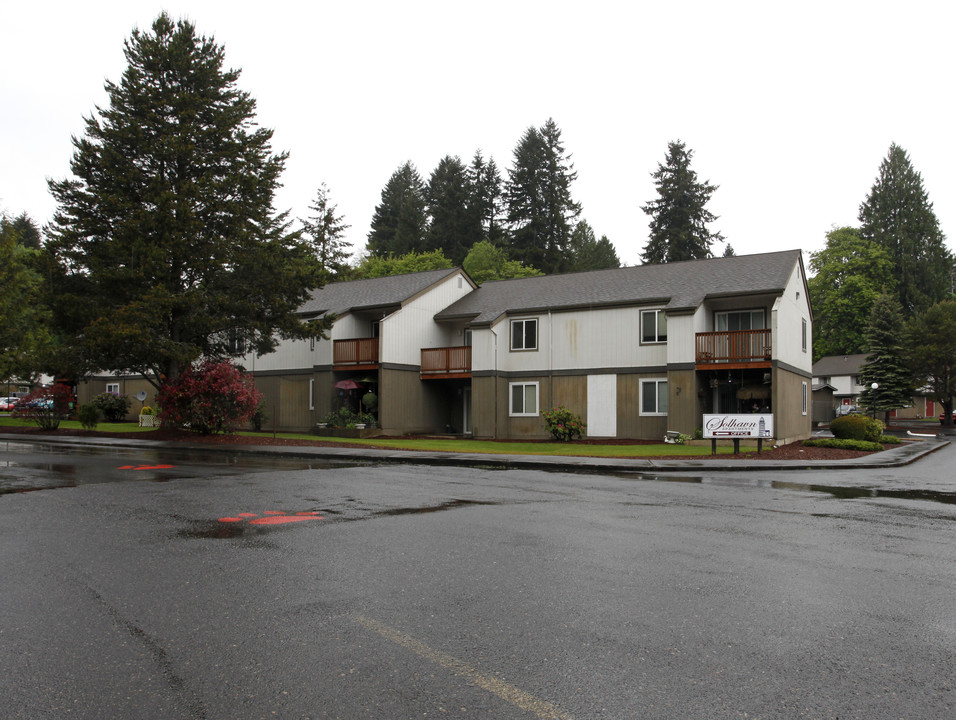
{"x":409,"y":405}
{"x":129,"y":385}
{"x":789,"y":312}
{"x":790,"y":423}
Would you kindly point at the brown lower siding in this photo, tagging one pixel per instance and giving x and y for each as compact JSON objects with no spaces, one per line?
{"x":790,"y":423}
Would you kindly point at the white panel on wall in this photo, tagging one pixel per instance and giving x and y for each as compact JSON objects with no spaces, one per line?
{"x":602,"y":406}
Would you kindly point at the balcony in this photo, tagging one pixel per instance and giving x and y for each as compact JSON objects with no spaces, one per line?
{"x":737,"y":349}
{"x":356,"y":353}
{"x":446,"y":362}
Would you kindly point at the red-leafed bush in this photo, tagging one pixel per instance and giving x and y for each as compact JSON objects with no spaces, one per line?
{"x":211,"y":397}
{"x":46,"y":406}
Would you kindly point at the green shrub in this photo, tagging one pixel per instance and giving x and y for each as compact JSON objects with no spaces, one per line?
{"x":844,"y":444}
{"x":889,"y":440}
{"x":563,"y":424}
{"x":112,"y":406}
{"x":88,"y":415}
{"x":857,"y":427}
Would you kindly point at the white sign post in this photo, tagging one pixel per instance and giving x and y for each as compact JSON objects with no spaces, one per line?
{"x":734,"y":427}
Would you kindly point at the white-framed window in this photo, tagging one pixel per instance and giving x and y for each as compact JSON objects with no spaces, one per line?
{"x":653,"y":326}
{"x":523,"y":399}
{"x":806,"y":399}
{"x":654,"y":396}
{"x":113,"y":388}
{"x":311,"y":393}
{"x":804,"y":335}
{"x":524,"y":334}
{"x":733,"y":320}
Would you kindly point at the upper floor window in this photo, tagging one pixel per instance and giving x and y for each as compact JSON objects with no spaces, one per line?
{"x":524,"y":334}
{"x":653,"y":326}
{"x":733,"y":321}
{"x":804,"y":327}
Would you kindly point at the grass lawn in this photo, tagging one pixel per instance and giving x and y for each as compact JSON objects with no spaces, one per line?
{"x":440,"y":445}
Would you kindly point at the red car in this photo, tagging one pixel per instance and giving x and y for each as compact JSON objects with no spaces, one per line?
{"x":8,"y":403}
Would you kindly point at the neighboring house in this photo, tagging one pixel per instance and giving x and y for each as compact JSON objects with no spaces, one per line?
{"x":842,"y":372}
{"x":638,"y":351}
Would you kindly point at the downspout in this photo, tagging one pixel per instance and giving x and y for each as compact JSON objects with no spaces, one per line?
{"x":495,"y":388}
{"x":550,"y":361}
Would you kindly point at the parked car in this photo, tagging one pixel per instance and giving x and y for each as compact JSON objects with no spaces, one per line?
{"x":846,"y":410}
{"x":8,"y":403}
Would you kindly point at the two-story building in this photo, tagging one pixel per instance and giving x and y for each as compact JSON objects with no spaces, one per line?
{"x":639,"y":351}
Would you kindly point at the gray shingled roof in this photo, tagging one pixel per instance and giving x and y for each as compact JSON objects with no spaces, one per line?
{"x":679,"y":286}
{"x":343,"y":297}
{"x":839,"y":365}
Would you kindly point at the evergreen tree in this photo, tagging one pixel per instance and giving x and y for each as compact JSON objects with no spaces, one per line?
{"x":454,"y":226}
{"x":486,"y":198}
{"x":729,"y":251}
{"x":885,"y":365}
{"x":679,"y":216}
{"x":166,"y":240}
{"x":27,"y":232}
{"x":588,"y":253}
{"x":898,"y":216}
{"x":930,"y":341}
{"x":400,"y":222}
{"x":324,"y":232}
{"x":848,"y":276}
{"x":538,"y":193}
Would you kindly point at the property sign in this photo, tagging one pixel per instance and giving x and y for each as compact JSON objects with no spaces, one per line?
{"x":754,"y":425}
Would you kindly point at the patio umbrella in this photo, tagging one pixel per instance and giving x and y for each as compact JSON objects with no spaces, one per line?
{"x":347,"y":385}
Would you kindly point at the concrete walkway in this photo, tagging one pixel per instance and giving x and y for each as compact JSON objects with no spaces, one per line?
{"x":904,"y":454}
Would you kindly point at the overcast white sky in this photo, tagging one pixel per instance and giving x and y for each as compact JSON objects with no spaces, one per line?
{"x":788,"y":107}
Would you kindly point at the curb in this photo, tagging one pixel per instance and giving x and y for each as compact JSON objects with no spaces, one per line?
{"x":895,"y":457}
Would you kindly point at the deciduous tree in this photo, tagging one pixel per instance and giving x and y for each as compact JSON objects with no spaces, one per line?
{"x":166,"y":240}
{"x":485,"y":261}
{"x":848,"y":275}
{"x":679,"y":214}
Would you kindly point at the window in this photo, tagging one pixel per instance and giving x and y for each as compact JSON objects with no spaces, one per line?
{"x":466,"y":337}
{"x":653,"y":326}
{"x":805,"y":403}
{"x":654,"y":397}
{"x":524,"y":399}
{"x":311,"y":393}
{"x":524,"y":334}
{"x":740,"y":320}
{"x":113,"y":388}
{"x":804,"y":329}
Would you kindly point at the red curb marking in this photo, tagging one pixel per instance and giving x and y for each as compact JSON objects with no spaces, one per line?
{"x":274,"y":517}
{"x":145,"y":467}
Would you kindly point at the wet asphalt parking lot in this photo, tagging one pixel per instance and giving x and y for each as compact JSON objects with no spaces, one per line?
{"x":155,"y":584}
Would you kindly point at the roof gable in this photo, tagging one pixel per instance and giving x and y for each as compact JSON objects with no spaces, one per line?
{"x":391,"y":290}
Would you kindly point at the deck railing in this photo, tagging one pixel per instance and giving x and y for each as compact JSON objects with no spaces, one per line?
{"x":359,"y":351}
{"x":446,"y":361}
{"x":733,"y":347}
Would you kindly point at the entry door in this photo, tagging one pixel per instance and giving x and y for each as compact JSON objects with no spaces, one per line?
{"x":466,"y":409}
{"x":602,"y":406}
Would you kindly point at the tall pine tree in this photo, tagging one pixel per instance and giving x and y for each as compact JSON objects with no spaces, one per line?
{"x":885,"y":366}
{"x":324,"y":232}
{"x":899,"y":217}
{"x":541,"y":211}
{"x":486,"y":198}
{"x":454,"y":227}
{"x":400,"y":221}
{"x":679,"y":214}
{"x":166,"y":239}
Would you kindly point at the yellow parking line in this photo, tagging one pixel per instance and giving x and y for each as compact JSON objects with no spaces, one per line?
{"x":508,"y":693}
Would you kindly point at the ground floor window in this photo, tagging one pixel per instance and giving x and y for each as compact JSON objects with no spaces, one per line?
{"x":113,"y":388}
{"x":654,"y":396}
{"x":524,"y":399}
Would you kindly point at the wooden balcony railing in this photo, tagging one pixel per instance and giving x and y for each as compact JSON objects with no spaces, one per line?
{"x":446,"y":362}
{"x":360,"y":351}
{"x":740,"y":346}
